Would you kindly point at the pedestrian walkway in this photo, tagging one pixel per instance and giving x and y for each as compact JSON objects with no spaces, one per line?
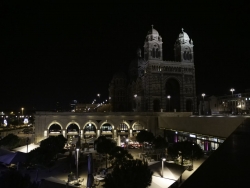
{"x":196,"y":163}
{"x":62,"y":169}
{"x":26,"y":148}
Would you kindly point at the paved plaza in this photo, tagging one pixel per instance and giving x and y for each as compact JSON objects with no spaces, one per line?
{"x":62,"y":168}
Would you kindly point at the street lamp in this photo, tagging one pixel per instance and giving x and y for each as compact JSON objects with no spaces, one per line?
{"x":27,"y":142}
{"x":203,"y":95}
{"x":192,"y":156}
{"x":135,"y":105}
{"x":169,"y":102}
{"x":22,"y":110}
{"x":99,"y":96}
{"x":127,"y":144}
{"x":232,"y":90}
{"x":77,"y":151}
{"x":162,"y":164}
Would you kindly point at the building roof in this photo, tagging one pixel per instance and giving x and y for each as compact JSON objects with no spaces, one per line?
{"x":153,"y":31}
{"x":183,"y":36}
{"x":218,"y":126}
{"x":228,"y":166}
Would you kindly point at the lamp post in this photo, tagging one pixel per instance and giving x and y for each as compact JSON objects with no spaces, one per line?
{"x":22,"y":110}
{"x":127,"y":144}
{"x":77,"y":151}
{"x":27,"y":142}
{"x":162,"y":164}
{"x":192,"y":157}
{"x":169,"y":102}
{"x":232,"y":90}
{"x":135,"y":105}
{"x":203,"y":95}
{"x":99,"y":96}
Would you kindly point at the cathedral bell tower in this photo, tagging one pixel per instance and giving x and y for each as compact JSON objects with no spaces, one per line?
{"x":183,"y":48}
{"x":153,"y":45}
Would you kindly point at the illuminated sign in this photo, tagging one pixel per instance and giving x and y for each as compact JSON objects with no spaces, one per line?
{"x":192,"y":135}
{"x":25,"y":121}
{"x":5,"y":122}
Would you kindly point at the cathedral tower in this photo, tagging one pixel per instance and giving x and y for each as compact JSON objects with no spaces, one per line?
{"x":153,"y":45}
{"x":183,"y":48}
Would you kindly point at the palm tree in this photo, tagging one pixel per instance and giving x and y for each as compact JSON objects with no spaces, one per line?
{"x":105,"y":146}
{"x":119,"y":155}
{"x":144,"y":136}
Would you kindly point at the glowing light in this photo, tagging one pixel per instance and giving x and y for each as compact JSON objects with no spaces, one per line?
{"x":192,"y":135}
{"x":5,"y":122}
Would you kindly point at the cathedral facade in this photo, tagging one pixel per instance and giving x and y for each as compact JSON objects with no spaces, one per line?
{"x":154,"y":85}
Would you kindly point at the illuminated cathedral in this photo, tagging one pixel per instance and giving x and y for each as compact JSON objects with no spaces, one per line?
{"x":154,"y":85}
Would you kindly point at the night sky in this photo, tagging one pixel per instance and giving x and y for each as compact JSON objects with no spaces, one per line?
{"x":55,"y":52}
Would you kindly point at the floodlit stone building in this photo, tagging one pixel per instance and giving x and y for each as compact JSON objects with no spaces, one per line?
{"x":155,"y":85}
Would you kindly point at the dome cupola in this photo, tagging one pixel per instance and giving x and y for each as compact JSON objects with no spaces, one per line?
{"x":183,"y":37}
{"x":153,"y":31}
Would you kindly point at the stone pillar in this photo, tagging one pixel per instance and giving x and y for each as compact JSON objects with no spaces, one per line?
{"x":46,"y":134}
{"x":98,"y":133}
{"x":81,"y":133}
{"x":64,"y":133}
{"x":130,"y":133}
{"x":114,"y":134}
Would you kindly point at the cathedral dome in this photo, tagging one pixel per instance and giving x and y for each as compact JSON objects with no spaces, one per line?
{"x":153,"y":31}
{"x":183,"y":36}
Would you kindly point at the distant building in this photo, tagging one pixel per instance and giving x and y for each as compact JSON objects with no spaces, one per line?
{"x":154,"y":84}
{"x":230,"y":104}
{"x":80,"y":107}
{"x":58,"y":107}
{"x":73,"y":105}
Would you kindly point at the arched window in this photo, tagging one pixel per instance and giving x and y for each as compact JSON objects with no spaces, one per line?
{"x":106,"y":127}
{"x":156,"y":105}
{"x":153,"y":53}
{"x":137,"y":126}
{"x":90,"y":128}
{"x":123,"y":127}
{"x":172,"y":88}
{"x":55,"y":128}
{"x":157,"y":52}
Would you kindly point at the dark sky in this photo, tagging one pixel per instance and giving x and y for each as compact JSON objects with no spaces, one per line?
{"x":55,"y":52}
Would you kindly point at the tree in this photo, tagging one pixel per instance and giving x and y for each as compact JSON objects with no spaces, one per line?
{"x":10,"y":141}
{"x":105,"y":146}
{"x":119,"y":155}
{"x":13,"y":178}
{"x":54,"y":144}
{"x":47,"y":152}
{"x":131,"y":173}
{"x":160,"y":143}
{"x":186,"y":150}
{"x":144,"y":136}
{"x":42,"y":157}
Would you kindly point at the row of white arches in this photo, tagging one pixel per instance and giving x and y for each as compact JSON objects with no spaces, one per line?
{"x":123,"y":125}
